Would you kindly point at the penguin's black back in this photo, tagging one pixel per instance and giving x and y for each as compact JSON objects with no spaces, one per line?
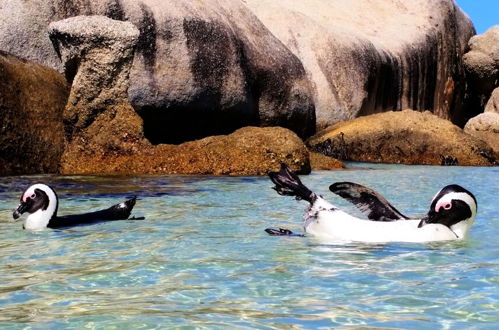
{"x":119,"y":211}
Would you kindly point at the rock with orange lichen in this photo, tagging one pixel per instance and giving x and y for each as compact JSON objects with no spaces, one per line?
{"x":402,"y":137}
{"x":320,"y":161}
{"x":247,"y":151}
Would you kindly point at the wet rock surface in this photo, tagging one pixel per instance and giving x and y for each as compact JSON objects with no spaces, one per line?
{"x":402,"y":137}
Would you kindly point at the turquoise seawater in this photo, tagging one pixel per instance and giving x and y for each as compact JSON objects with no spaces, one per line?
{"x":201,"y":258}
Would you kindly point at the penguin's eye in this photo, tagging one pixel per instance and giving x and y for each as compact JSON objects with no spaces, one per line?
{"x":32,"y":196}
{"x":447,"y":206}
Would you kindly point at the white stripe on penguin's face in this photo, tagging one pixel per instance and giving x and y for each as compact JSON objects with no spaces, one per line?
{"x":446,"y":201}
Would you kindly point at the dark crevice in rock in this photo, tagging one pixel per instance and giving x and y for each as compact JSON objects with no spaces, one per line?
{"x":71,"y":68}
{"x":180,"y":123}
{"x":335,"y":148}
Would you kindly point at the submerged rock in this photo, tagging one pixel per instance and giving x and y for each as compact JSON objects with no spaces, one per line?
{"x":485,"y":127}
{"x":402,"y":137}
{"x":247,"y":151}
{"x":32,"y":99}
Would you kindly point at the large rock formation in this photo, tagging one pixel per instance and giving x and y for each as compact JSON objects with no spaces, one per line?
{"x":32,"y":99}
{"x":105,"y":135}
{"x":482,"y":68}
{"x":208,"y":67}
{"x":201,"y":67}
{"x":97,"y":53}
{"x":406,"y":137}
{"x":371,"y":56}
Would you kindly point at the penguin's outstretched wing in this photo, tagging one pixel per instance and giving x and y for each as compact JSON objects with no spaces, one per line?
{"x":119,"y":211}
{"x":369,"y":202}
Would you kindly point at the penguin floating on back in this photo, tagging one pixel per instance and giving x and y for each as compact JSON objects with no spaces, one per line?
{"x":452,"y":213}
{"x":42,"y":203}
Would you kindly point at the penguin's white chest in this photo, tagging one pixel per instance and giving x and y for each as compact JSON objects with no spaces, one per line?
{"x":37,"y":221}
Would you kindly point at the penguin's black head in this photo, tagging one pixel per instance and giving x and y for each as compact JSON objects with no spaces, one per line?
{"x":450,"y":206}
{"x":33,"y":199}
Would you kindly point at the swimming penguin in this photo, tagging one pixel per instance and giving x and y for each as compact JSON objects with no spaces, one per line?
{"x":451,"y":215}
{"x":41,"y":202}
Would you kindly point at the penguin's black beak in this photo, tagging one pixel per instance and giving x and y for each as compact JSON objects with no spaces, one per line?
{"x":429,"y":218}
{"x":423,"y":222}
{"x":20,"y":210}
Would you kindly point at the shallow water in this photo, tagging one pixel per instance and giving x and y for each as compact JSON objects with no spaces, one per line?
{"x":201,"y":257}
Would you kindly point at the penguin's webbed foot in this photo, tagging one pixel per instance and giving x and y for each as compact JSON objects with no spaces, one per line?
{"x":136,"y":218}
{"x":280,"y":232}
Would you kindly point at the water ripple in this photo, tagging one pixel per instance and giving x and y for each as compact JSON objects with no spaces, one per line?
{"x":201,"y":258}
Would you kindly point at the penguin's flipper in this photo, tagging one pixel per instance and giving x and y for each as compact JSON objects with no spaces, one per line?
{"x":369,"y":202}
{"x":287,"y":183}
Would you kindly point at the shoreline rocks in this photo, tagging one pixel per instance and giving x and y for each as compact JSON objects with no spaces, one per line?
{"x":403,"y":137}
{"x":201,"y":68}
{"x":145,"y":80}
{"x":247,"y":151}
{"x":105,"y":135}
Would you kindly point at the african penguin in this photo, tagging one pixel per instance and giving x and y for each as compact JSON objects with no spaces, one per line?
{"x":451,"y":215}
{"x":41,"y":202}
